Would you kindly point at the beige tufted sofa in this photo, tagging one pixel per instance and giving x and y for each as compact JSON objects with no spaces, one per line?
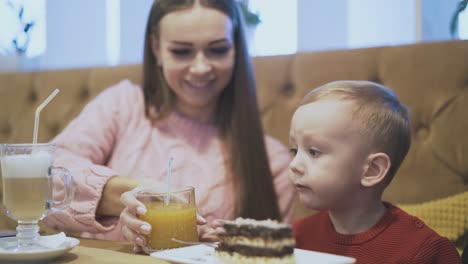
{"x":431,"y":78}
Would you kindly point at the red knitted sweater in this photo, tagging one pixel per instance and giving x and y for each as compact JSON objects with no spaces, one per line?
{"x":397,"y":238}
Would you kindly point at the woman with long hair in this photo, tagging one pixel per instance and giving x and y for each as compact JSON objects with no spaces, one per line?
{"x":197,"y":103}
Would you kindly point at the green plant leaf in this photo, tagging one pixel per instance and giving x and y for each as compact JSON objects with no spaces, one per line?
{"x":454,"y":21}
{"x":250,"y":17}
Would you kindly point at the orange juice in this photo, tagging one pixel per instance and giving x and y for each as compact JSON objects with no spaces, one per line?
{"x":174,"y":220}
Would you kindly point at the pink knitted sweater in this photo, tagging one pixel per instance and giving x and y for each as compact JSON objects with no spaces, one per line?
{"x":112,"y":136}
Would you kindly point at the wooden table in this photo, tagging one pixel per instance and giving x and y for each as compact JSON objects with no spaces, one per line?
{"x":105,"y":252}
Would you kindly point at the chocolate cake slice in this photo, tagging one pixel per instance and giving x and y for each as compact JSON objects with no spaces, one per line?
{"x":253,"y":241}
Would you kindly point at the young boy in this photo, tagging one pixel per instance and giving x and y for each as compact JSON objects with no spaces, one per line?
{"x":348,"y":139}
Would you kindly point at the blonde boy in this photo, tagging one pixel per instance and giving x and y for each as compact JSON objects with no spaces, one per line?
{"x":349,"y":139}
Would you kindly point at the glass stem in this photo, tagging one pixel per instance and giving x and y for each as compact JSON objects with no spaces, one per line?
{"x":27,"y":233}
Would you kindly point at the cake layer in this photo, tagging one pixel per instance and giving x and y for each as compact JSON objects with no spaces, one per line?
{"x":247,"y":221}
{"x":254,"y":241}
{"x":259,"y":242}
{"x":235,"y":258}
{"x":255,"y":251}
{"x":250,"y":228}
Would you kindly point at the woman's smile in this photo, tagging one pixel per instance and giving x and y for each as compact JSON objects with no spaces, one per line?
{"x":201,"y":85}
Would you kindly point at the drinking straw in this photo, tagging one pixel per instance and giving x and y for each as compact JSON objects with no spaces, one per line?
{"x":169,"y":172}
{"x":38,"y":111}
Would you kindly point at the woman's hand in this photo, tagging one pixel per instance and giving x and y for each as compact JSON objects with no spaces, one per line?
{"x":210,"y":233}
{"x":134,"y":229}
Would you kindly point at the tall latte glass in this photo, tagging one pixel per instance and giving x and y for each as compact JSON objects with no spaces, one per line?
{"x":27,"y":177}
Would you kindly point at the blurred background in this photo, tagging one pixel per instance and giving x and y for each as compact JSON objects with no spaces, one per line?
{"x":63,"y":34}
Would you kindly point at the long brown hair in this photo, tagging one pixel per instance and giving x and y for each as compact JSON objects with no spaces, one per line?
{"x":237,"y":116}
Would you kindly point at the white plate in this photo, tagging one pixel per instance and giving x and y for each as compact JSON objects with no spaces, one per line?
{"x":36,"y":255}
{"x":202,"y":254}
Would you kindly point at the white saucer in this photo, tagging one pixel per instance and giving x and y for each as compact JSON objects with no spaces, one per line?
{"x":36,"y":255}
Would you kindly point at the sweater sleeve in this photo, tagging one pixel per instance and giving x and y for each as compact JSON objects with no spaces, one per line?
{"x":280,"y":158}
{"x":83,"y":148}
{"x":438,"y":250}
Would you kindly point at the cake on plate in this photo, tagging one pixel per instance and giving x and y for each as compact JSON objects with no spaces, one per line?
{"x":254,"y":241}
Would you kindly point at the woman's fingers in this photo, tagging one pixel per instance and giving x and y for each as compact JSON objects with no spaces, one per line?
{"x":217,"y":223}
{"x":130,"y":221}
{"x":209,"y":235}
{"x":128,"y":217}
{"x":137,"y":249}
{"x":130,"y":201}
{"x":218,"y":226}
{"x":133,"y":237}
{"x":201,"y":220}
{"x":134,"y":229}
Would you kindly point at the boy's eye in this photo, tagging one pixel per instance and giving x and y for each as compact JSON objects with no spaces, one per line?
{"x":314,"y":153}
{"x":181,"y":52}
{"x":293,"y":151}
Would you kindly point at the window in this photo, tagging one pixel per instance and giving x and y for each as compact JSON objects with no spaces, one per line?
{"x":463,"y":25}
{"x":277,"y":33}
{"x":23,"y":28}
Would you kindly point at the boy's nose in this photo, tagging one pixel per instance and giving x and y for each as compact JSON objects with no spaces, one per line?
{"x":296,"y":167}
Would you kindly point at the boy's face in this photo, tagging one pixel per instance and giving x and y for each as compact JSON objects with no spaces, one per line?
{"x":329,"y":154}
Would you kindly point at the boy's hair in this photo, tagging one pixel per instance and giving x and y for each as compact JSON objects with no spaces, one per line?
{"x":378,"y":114}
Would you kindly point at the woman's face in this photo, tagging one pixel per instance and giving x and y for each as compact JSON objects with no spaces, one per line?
{"x":196,"y":51}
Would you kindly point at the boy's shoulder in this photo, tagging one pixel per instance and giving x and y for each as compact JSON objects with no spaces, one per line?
{"x":395,"y":224}
{"x":405,"y":225}
{"x":410,"y":223}
{"x":397,"y":234}
{"x":430,"y":245}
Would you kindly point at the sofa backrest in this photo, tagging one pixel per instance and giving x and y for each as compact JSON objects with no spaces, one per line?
{"x":430,"y":78}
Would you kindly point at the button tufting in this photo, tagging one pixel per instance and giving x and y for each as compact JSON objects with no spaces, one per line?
{"x":84,"y":94}
{"x":418,"y":223}
{"x":5,"y":130}
{"x":54,"y":129}
{"x":376,"y":79}
{"x":422,"y":132}
{"x":287,"y":89}
{"x":32,"y":97}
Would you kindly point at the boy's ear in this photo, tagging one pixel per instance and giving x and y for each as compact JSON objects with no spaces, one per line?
{"x":155,"y":49}
{"x":377,"y":167}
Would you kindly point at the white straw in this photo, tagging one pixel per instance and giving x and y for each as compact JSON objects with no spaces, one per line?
{"x":38,"y":111}
{"x":169,"y":172}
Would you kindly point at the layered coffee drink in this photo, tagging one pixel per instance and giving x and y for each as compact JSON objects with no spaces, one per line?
{"x":26,"y":185}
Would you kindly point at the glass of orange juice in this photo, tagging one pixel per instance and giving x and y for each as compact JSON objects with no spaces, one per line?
{"x":170,"y":215}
